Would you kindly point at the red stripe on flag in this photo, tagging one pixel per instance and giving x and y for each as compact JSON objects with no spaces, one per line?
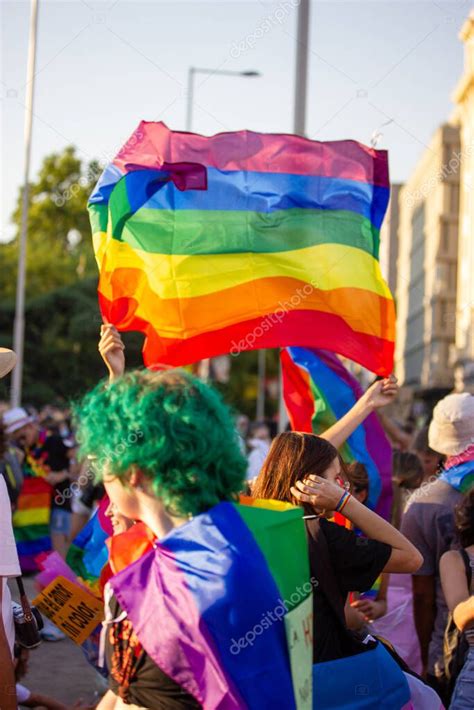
{"x":297,"y":393}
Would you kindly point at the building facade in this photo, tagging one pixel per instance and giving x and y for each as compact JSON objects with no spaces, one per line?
{"x":463,"y":352}
{"x":427,"y":265}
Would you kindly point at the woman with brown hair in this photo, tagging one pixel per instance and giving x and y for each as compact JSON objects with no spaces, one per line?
{"x":307,"y":469}
{"x":349,"y":670}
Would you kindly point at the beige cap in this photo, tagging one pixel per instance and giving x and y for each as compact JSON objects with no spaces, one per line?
{"x":7,"y":361}
{"x":452,"y":428}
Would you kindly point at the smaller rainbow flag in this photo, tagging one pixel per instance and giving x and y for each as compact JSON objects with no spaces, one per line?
{"x":88,"y":553}
{"x":31,"y":521}
{"x":459,"y":475}
{"x":223,"y":605}
{"x":318,"y":390}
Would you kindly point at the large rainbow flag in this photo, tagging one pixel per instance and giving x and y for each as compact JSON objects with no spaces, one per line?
{"x":211,"y":245}
{"x":318,"y":390}
{"x":223,"y":605}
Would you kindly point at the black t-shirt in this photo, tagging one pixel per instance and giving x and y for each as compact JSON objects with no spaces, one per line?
{"x":54,"y":454}
{"x":340,"y":562}
{"x":57,"y":453}
{"x":58,"y":460}
{"x":141,"y":682}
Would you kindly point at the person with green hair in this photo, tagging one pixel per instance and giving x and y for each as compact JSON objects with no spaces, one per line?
{"x":163,"y":443}
{"x":165,"y":446}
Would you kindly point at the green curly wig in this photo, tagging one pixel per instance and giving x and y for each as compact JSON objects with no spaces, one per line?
{"x":173,"y":428}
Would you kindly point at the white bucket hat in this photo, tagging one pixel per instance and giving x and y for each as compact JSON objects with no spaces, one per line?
{"x":15,"y":418}
{"x":451,"y":430}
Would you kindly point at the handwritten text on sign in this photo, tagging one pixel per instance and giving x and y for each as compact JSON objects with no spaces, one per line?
{"x":71,"y":608}
{"x":299,"y":634}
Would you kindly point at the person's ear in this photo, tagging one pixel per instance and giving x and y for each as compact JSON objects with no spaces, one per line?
{"x":136,"y":479}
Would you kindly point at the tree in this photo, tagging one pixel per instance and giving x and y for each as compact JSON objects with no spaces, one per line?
{"x":59,"y":242}
{"x":61,"y":337}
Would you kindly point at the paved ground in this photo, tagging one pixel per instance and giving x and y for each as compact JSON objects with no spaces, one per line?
{"x":60,"y":669}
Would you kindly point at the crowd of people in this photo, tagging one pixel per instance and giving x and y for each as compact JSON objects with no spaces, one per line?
{"x":391,"y":599}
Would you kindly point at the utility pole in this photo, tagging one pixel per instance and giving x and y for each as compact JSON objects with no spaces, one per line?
{"x":299,"y":126}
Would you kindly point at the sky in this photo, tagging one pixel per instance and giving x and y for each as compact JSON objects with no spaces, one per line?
{"x":104,"y":66}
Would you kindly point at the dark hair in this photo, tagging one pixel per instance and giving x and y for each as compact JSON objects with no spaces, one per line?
{"x":421,"y":444}
{"x":407,"y":475}
{"x":464,"y":519}
{"x":358,"y":476}
{"x":293,"y":455}
{"x":407,"y":470}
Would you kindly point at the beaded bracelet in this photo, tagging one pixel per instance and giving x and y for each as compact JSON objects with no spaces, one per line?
{"x":342,"y":502}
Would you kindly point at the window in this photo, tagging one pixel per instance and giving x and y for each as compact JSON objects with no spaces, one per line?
{"x":444,"y":315}
{"x":445,"y":237}
{"x":452,"y":276}
{"x":448,"y":236}
{"x":453,"y":199}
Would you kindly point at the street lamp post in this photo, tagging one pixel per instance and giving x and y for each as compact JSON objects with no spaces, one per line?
{"x":299,"y":125}
{"x":198,"y":70}
{"x":301,"y":68}
{"x":19,"y":324}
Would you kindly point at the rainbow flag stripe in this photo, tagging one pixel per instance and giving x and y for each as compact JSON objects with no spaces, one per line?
{"x":210,"y":245}
{"x":223,"y":603}
{"x":31,"y":521}
{"x":318,"y":390}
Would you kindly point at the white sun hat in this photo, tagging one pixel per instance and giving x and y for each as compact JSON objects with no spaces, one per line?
{"x":7,"y":361}
{"x":451,"y":430}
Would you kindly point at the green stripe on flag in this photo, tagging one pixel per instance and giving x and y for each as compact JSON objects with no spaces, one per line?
{"x":31,"y":532}
{"x":281,"y":536}
{"x":195,"y":232}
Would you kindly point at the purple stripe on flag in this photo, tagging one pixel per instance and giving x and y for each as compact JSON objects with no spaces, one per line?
{"x":152,"y":588}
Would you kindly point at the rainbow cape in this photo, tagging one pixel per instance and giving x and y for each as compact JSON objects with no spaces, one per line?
{"x":33,"y":512}
{"x":223,"y":605}
{"x":211,"y":245}
{"x":88,"y":553}
{"x":318,"y":390}
{"x":459,"y":471}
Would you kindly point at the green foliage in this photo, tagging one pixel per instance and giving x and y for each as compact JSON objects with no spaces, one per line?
{"x":241,"y":391}
{"x":61,"y":337}
{"x":59,"y":244}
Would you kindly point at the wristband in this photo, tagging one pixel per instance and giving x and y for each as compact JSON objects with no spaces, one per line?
{"x":340,"y":502}
{"x":344,"y":502}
